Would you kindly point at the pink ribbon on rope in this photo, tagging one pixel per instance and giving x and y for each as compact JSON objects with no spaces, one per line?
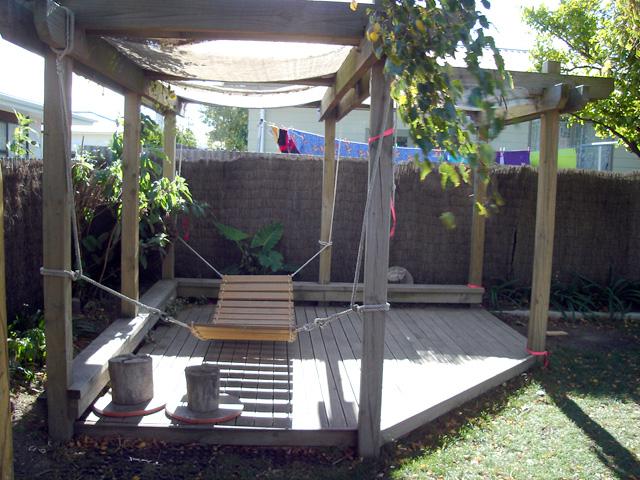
{"x":544,"y":354}
{"x":394,"y":220}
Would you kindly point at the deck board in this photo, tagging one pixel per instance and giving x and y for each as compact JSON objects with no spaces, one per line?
{"x":307,"y":392}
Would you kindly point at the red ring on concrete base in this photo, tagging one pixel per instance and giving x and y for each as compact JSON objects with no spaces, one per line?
{"x":105,"y":407}
{"x":229,"y":408}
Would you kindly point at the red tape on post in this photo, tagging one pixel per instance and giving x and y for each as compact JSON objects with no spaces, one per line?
{"x":386,"y":133}
{"x":473,"y":285}
{"x":544,"y":354}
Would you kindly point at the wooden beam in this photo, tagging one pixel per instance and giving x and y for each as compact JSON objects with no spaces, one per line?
{"x":129,"y":260}
{"x":94,"y":58}
{"x":551,"y":66}
{"x":341,"y":292}
{"x":16,"y":26}
{"x":6,"y":435}
{"x":355,"y":97}
{"x":545,"y":226}
{"x":376,"y":265}
{"x":328,"y":193}
{"x":169,"y":172}
{"x":323,"y":81}
{"x":56,"y":222}
{"x":278,"y":20}
{"x":578,"y":99}
{"x":554,"y":98}
{"x":354,"y":67}
{"x":534,"y":84}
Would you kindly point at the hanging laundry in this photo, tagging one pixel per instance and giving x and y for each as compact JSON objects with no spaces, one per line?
{"x":286,"y":144}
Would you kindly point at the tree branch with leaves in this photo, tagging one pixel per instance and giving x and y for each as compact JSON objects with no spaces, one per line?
{"x":596,"y":38}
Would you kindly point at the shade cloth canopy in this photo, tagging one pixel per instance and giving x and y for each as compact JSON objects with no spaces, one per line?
{"x":239,"y":73}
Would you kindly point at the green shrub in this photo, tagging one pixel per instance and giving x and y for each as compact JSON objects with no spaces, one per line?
{"x":257,"y":254}
{"x":578,"y":295}
{"x":27,"y":348}
{"x":98,"y":184}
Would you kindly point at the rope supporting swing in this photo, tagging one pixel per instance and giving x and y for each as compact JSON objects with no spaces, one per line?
{"x":78,"y":274}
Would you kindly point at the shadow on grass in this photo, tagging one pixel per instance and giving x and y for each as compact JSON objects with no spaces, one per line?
{"x":606,"y":375}
{"x":609,"y":451}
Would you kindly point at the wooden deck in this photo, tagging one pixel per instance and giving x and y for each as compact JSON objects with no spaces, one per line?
{"x":307,"y":392}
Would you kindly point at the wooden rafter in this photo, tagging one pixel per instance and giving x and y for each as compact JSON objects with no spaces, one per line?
{"x":535,"y":93}
{"x":278,"y":20}
{"x":357,"y":64}
{"x":93,"y":57}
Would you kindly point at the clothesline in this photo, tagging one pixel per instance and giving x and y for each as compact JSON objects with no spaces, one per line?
{"x":296,"y":141}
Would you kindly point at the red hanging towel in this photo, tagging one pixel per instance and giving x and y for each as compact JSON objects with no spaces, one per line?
{"x":286,"y":144}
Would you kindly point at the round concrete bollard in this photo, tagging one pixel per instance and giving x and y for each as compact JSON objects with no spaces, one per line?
{"x":399,"y":275}
{"x":131,"y":379}
{"x":203,"y":387}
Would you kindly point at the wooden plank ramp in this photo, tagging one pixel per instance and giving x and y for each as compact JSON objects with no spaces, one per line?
{"x":306,"y":392}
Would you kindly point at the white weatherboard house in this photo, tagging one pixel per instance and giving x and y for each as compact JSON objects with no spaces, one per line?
{"x":576,"y":142}
{"x":88,"y":129}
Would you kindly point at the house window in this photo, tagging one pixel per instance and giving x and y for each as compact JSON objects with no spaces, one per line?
{"x":403,"y":138}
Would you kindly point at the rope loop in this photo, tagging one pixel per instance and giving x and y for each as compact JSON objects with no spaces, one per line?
{"x":382,"y":307}
{"x":70,"y":21}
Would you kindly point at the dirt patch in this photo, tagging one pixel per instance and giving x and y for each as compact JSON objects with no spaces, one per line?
{"x":581,"y":334}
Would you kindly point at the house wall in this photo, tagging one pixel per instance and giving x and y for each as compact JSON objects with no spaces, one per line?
{"x":625,"y":161}
{"x":93,"y":139}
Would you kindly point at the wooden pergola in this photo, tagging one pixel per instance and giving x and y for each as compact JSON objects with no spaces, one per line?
{"x":73,"y":384}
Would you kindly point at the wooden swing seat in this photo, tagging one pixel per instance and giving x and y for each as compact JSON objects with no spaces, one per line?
{"x":252,"y":307}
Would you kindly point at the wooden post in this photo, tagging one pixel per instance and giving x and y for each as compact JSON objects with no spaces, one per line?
{"x":545,"y":223}
{"x":476,"y":254}
{"x":169,"y":171}
{"x":56,"y":225}
{"x":376,"y":264}
{"x":328,"y":192}
{"x":6,"y":437}
{"x":129,"y":261}
{"x":545,"y":226}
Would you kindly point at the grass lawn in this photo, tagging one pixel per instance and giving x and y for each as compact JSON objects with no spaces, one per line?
{"x":579,"y":419}
{"x":566,"y":158}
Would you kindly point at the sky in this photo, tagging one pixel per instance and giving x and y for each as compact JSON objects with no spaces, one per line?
{"x":24,"y":77}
